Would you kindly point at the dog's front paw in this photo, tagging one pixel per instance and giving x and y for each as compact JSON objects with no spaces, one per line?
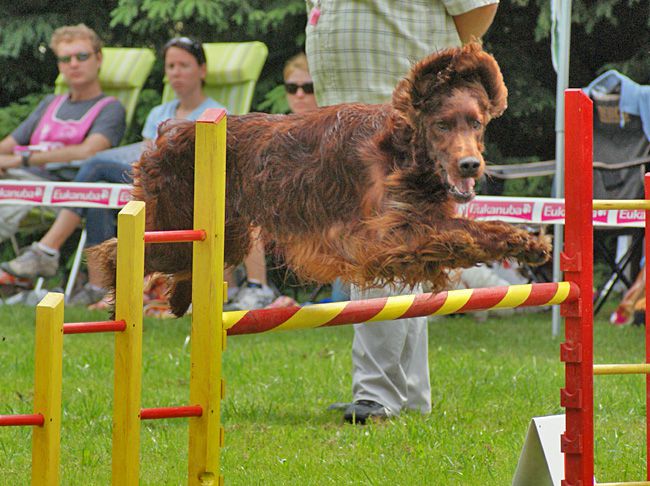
{"x":537,"y":251}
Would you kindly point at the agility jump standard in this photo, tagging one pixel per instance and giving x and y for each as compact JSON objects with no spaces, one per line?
{"x":208,"y":337}
{"x":210,"y":324}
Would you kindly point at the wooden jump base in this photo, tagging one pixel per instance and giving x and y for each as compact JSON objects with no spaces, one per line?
{"x":210,"y":324}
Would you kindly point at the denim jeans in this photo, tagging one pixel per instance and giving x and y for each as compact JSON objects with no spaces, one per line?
{"x":114,"y":166}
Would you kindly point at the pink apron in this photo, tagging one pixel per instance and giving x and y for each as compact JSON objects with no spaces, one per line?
{"x":53,"y":132}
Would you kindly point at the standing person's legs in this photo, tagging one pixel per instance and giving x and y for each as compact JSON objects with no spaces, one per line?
{"x":390,"y":365}
{"x":415,"y":360}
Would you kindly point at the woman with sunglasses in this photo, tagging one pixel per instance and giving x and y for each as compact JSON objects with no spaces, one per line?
{"x":299,"y":85}
{"x":255,"y":292}
{"x":185,"y":68}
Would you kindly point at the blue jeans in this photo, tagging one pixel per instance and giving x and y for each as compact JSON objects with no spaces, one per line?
{"x":113,"y":165}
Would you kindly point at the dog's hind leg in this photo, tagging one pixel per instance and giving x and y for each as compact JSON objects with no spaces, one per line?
{"x":180,"y":294}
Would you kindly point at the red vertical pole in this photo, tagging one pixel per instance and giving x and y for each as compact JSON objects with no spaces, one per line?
{"x":577,"y":443}
{"x":647,"y":325}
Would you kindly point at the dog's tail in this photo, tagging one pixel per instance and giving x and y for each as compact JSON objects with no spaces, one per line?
{"x":104,"y":257}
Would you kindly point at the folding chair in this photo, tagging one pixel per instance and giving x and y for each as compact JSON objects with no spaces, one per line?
{"x":123,"y":74}
{"x":621,"y":152}
{"x":625,"y":151}
{"x":233,"y":71}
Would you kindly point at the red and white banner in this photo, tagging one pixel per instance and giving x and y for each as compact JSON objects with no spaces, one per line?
{"x":542,"y":211}
{"x":68,"y":194}
{"x":486,"y":208}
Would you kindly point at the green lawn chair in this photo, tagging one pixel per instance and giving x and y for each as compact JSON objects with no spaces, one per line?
{"x":233,"y":71}
{"x":122,"y":75}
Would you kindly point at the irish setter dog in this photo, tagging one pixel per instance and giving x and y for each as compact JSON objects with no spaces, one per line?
{"x":363,"y":192}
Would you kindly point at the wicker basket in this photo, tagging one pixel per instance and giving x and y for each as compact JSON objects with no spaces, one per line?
{"x":607,"y":108}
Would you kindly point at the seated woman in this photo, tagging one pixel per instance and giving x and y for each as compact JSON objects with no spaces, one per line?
{"x":185,"y":68}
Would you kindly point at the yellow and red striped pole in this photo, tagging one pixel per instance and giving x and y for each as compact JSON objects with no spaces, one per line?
{"x":399,"y":307}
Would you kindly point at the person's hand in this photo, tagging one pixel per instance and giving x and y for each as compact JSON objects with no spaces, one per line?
{"x":9,"y":161}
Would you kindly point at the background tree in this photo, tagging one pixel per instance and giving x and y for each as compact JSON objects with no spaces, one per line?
{"x":605,"y":34}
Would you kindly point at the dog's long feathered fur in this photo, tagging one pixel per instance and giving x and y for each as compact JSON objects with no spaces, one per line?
{"x":363,"y":192}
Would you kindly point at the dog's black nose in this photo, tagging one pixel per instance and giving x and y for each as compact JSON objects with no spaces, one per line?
{"x":469,"y":166}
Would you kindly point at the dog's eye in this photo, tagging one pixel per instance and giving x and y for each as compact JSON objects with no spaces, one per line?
{"x":443,"y":126}
{"x":476,"y":125}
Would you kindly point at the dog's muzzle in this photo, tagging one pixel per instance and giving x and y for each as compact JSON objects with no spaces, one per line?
{"x":469,"y":167}
{"x":461,"y":187}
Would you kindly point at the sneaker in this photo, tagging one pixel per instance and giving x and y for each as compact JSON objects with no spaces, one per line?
{"x":89,"y":294}
{"x":362,"y":410}
{"x":252,"y":296}
{"x":29,"y":298}
{"x":32,"y":263}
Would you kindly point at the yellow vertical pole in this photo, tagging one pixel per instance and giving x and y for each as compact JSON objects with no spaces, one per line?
{"x":48,"y":364}
{"x":208,"y":335}
{"x":128,"y":345}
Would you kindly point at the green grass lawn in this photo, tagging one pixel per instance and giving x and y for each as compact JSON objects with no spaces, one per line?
{"x":488,"y":380}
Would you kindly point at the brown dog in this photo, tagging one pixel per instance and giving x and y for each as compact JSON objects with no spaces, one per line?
{"x":363,"y":192}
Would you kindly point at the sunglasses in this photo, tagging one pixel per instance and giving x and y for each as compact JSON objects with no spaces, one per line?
{"x":80,"y":56}
{"x":190,"y":45}
{"x":292,"y":88}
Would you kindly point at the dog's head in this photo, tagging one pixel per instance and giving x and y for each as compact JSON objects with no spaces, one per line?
{"x":447,"y":99}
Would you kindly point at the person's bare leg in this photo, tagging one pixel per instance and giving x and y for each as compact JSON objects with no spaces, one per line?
{"x":229,"y":278}
{"x":255,"y":261}
{"x":64,"y":225}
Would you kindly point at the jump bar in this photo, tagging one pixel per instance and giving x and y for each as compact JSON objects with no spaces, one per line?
{"x":176,"y":236}
{"x":89,"y":327}
{"x":171,"y":412}
{"x":11,"y":420}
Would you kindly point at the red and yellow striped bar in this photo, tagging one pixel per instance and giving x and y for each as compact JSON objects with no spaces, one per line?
{"x":36,"y":419}
{"x":175,"y":236}
{"x":399,"y":307}
{"x":171,"y":412}
{"x":88,"y":327}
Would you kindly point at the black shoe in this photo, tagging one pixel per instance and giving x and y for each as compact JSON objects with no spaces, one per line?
{"x":361,"y":410}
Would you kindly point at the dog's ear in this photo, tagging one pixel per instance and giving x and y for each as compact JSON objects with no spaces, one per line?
{"x":425,"y":81}
{"x":437,"y":74}
{"x":473,"y":62}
